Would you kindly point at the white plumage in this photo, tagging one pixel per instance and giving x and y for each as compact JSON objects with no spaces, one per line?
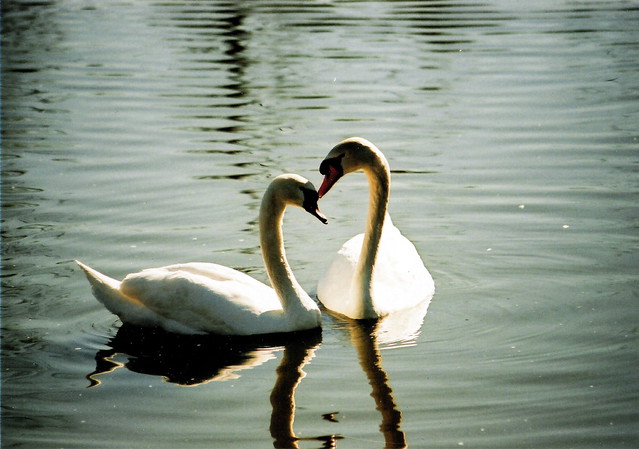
{"x":378,"y":272}
{"x":199,"y":298}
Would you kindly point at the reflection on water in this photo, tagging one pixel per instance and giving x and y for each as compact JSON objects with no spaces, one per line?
{"x":401,"y":328}
{"x":137,"y":133}
{"x":289,"y":375}
{"x":191,"y":360}
{"x":364,"y":338}
{"x":368,"y":337}
{"x":196,"y":360}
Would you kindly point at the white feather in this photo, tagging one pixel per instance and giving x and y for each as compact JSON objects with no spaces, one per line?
{"x":198,"y":298}
{"x":379,"y":272}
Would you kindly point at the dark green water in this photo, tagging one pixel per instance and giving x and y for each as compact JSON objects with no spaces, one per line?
{"x":139,"y":134}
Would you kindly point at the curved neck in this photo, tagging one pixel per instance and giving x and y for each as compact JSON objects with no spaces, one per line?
{"x":289,"y":291}
{"x":378,"y":174}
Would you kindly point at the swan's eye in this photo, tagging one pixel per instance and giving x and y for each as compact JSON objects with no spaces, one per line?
{"x":310,"y":197}
{"x":310,"y":204}
{"x":334,"y":163}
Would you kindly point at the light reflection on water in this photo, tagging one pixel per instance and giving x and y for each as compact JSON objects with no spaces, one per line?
{"x":142,"y":134}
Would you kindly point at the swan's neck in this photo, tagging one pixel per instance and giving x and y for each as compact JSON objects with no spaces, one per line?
{"x":378,"y":175}
{"x":291,"y":294}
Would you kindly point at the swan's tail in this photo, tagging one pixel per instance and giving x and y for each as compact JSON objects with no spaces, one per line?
{"x":98,"y":281}
{"x":107,"y":291}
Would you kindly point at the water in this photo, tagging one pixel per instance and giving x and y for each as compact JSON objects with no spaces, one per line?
{"x":138,"y":134}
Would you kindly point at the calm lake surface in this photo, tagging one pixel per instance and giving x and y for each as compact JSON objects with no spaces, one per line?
{"x":140,"y":134}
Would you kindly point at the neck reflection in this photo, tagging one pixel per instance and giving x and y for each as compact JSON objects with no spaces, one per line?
{"x":364,"y":338}
{"x":289,"y":375}
{"x":196,"y":360}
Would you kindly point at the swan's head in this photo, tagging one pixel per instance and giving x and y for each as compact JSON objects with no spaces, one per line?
{"x":297,"y":191}
{"x":352,"y":154}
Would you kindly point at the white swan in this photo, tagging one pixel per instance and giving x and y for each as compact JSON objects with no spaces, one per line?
{"x":199,"y":298}
{"x":379,"y":272}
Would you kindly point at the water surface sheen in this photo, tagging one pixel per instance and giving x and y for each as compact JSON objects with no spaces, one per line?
{"x":139,"y":134}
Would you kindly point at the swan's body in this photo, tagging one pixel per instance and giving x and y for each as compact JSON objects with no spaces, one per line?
{"x":199,"y":298}
{"x":378,"y":272}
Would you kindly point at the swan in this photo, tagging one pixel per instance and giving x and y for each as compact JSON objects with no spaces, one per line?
{"x":378,"y":272}
{"x":200,"y":298}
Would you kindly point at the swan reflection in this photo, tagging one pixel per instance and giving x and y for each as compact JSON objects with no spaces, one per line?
{"x":400,"y":328}
{"x":289,"y":374}
{"x":196,"y":360}
{"x":190,"y":360}
{"x":363,"y":336}
{"x":395,"y":330}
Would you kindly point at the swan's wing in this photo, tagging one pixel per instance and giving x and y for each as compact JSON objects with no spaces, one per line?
{"x":107,"y":291}
{"x":203,"y":297}
{"x":400,"y":272}
{"x":214,"y":271}
{"x":334,"y":287}
{"x":400,"y":279}
{"x":243,"y":288}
